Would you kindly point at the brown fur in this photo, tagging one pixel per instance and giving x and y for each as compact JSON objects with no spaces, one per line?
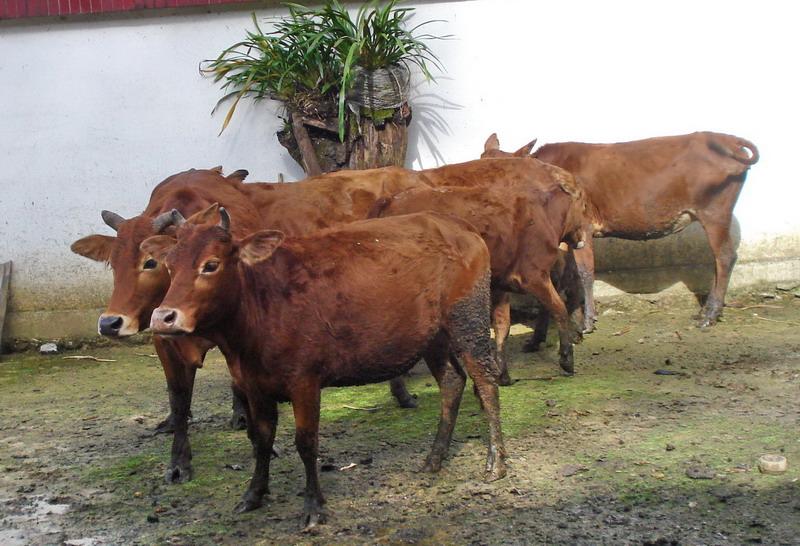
{"x":343,"y":306}
{"x":650,"y":188}
{"x":522,"y":227}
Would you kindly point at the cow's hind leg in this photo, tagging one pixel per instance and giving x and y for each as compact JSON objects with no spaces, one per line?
{"x":471,"y":344}
{"x":451,"y":381}
{"x":501,"y":323}
{"x":539,"y":335}
{"x":405,"y":399}
{"x":239,"y":416}
{"x":718,"y":230}
{"x":584,"y":259}
{"x":262,"y":419}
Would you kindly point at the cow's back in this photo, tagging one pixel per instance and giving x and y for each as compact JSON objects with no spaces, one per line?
{"x":351,"y":288}
{"x":647,"y":188}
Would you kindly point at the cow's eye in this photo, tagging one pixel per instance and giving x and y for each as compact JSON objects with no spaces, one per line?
{"x":210,"y":267}
{"x":150,"y":264}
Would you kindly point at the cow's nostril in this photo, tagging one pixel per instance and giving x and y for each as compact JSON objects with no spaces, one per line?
{"x":110,"y":325}
{"x":170,"y":317}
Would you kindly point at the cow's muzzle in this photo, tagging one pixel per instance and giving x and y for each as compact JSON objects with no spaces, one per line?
{"x":116,"y":326}
{"x":168,"y":321}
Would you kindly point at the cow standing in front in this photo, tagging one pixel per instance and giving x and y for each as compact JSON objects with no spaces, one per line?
{"x":343,"y":306}
{"x":651,"y":188}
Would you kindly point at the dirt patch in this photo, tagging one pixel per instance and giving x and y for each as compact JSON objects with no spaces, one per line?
{"x":618,"y":454}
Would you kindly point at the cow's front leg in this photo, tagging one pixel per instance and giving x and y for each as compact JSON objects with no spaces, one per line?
{"x":541,"y":286}
{"x":262,"y":420}
{"x":306,"y":416}
{"x":180,"y":383}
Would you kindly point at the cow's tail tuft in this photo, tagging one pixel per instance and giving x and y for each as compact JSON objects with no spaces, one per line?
{"x":737,"y":153}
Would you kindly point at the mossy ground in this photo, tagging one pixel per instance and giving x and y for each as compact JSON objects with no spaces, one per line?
{"x":601,"y":457}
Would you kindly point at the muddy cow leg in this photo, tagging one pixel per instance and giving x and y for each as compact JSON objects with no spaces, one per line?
{"x":584,"y":259}
{"x":718,"y":230}
{"x":180,"y":382}
{"x":239,"y":416}
{"x":306,"y":417}
{"x":262,"y":419}
{"x":541,"y":286}
{"x":501,"y":323}
{"x":397,"y":387}
{"x":451,"y":381}
{"x":471,"y":345}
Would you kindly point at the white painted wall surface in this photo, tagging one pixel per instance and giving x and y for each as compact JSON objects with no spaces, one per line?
{"x":96,"y":113}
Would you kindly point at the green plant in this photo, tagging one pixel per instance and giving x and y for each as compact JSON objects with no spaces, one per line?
{"x":307,"y":62}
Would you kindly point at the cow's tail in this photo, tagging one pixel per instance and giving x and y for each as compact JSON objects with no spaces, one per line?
{"x":737,"y":152}
{"x":378,"y":207}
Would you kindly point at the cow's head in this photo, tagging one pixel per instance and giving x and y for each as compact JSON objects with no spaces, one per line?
{"x":203,"y":261}
{"x":492,"y":148}
{"x":140,"y":279}
{"x":575,"y":225}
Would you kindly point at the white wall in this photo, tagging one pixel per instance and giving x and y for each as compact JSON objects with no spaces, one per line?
{"x":96,"y":113}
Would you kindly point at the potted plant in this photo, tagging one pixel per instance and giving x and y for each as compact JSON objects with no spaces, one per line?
{"x":343,"y":81}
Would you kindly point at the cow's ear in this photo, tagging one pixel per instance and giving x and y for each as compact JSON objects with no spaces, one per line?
{"x":259,"y":246}
{"x":94,"y":247}
{"x":157,"y":246}
{"x":525,"y":151}
{"x":204,"y":217}
{"x":240,"y":175}
{"x":492,"y":143}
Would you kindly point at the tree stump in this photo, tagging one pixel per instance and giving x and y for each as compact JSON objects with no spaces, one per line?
{"x":368,"y":144}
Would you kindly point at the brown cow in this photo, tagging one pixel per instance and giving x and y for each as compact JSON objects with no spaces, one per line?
{"x":343,"y":306}
{"x":140,"y":282}
{"x":522,"y":225}
{"x":651,"y":188}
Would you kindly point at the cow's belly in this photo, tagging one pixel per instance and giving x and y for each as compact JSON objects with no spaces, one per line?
{"x":644,"y":230}
{"x":373,"y":361}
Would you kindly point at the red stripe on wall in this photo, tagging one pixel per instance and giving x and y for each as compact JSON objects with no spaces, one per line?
{"x":16,"y":9}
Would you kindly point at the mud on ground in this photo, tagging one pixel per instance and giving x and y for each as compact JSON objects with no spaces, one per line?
{"x":604,"y":457}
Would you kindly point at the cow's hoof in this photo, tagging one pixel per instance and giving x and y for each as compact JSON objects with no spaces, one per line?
{"x":588,"y":327}
{"x":505,"y":380}
{"x":706,"y":322}
{"x":532,"y":346}
{"x":432,"y":464}
{"x":238,"y":421}
{"x":495,"y":469}
{"x":312,"y":518}
{"x":167,"y":426}
{"x":179,"y":474}
{"x":247,"y":504}
{"x":407,"y":402}
{"x":567,"y":369}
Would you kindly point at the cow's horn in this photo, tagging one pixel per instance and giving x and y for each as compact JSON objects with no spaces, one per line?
{"x":166,"y":219}
{"x":224,"y":219}
{"x":112,"y":219}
